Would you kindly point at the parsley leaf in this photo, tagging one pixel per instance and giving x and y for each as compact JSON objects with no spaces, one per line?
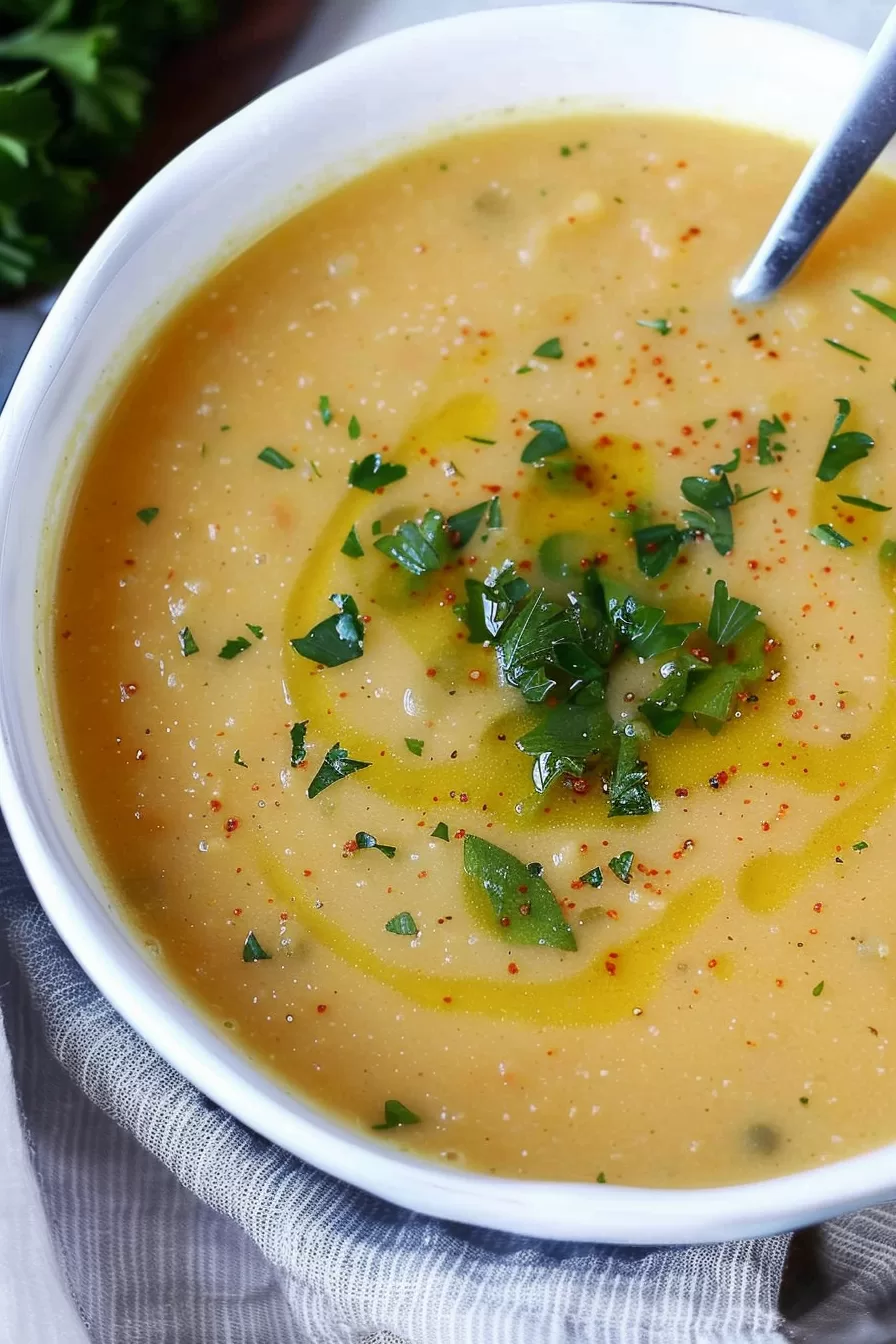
{"x":860,"y":845}
{"x":474,"y":438}
{"x":275,"y":459}
{"x":663,"y":706}
{"x":147,"y":515}
{"x":440,"y":832}
{"x":713,"y":497}
{"x":489,"y":603}
{"x":253,"y":950}
{"x":656,"y":547}
{"x":352,"y":545}
{"x":256,"y":630}
{"x":643,"y":627}
{"x":566,"y":736}
{"x":462,"y":526}
{"x":829,"y":536}
{"x":234,"y":647}
{"x":846,"y":350}
{"x":765,"y":454}
{"x":336,"y":765}
{"x":354,"y":428}
{"x":336,"y":640}
{"x":297,"y":739}
{"x":525,"y":642}
{"x":655,"y":324}
{"x":718,"y":467}
{"x":323,"y":407}
{"x":188,"y":644}
{"x":818,"y":990}
{"x":524,"y":905}
{"x":861,"y":502}
{"x":629,"y":794}
{"x":729,"y":616}
{"x":414,"y":745}
{"x":397,"y":1114}
{"x":364,"y":840}
{"x":842,"y":449}
{"x":550,"y":438}
{"x":708,"y":424}
{"x":551,"y":349}
{"x":238,"y":760}
{"x":593,"y":878}
{"x":403,"y":923}
{"x":420,"y":548}
{"x":621,"y":865}
{"x":372,"y":473}
{"x":711,"y":699}
{"x":886,"y":309}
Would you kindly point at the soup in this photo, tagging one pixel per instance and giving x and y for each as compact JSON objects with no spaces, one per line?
{"x":472,"y":657}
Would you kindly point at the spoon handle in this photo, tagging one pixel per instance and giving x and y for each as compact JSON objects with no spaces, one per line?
{"x":833,"y":172}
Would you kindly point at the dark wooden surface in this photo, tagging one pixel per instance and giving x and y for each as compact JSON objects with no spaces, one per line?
{"x":205,"y":81}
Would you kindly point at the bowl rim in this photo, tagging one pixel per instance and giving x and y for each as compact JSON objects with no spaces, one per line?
{"x":151,"y":1003}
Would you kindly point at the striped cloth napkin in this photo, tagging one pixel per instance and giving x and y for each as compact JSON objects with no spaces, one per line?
{"x":133,"y":1211}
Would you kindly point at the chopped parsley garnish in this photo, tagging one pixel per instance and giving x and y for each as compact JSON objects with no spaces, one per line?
{"x":298,"y":750}
{"x":551,"y":349}
{"x":323,"y":407}
{"x":718,"y":467}
{"x":829,"y":536}
{"x":713,"y":498}
{"x":275,"y":459}
{"x":729,"y":616}
{"x":188,"y":644}
{"x":364,"y":840}
{"x":234,"y":647}
{"x":861,"y":502}
{"x":440,"y":832}
{"x":524,"y":368}
{"x":860,"y":845}
{"x":601,"y":1178}
{"x":420,"y":548}
{"x":238,"y":760}
{"x":462,"y":526}
{"x":655,"y":324}
{"x":376,"y":527}
{"x":474,"y":438}
{"x":846,"y":349}
{"x":354,"y":428}
{"x":147,"y":515}
{"x":713,"y":420}
{"x":372,"y":473}
{"x":621,"y":865}
{"x":336,"y":765}
{"x":765,"y":449}
{"x":253,"y":950}
{"x":629,"y":794}
{"x":414,"y":745}
{"x":403,"y":923}
{"x":842,"y":448}
{"x":550,"y":438}
{"x":256,"y":630}
{"x":336,"y":640}
{"x":819,"y":988}
{"x":352,"y":545}
{"x":524,"y":905}
{"x":712,"y":692}
{"x":593,"y":878}
{"x":877,"y":304}
{"x":656,"y":546}
{"x":397,"y":1114}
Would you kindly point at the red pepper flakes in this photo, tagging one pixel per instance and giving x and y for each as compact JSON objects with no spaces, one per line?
{"x":718,"y":781}
{"x":431,"y":671}
{"x":504,"y":921}
{"x":512,"y":968}
{"x":215,"y":804}
{"x":577,"y":885}
{"x":779,"y":983}
{"x":818,"y":907}
{"x":681,"y":793}
{"x":612,"y":914}
{"x":610,"y":967}
{"x":475,"y":674}
{"x":231,"y":824}
{"x":459,"y":835}
{"x":712,"y":963}
{"x":350,"y":847}
{"x":321,"y":1007}
{"x":238,"y":910}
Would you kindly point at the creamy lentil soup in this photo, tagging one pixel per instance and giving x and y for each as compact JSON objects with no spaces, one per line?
{"x":472,"y":654}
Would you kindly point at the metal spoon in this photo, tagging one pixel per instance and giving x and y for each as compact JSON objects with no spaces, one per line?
{"x":833,"y":172}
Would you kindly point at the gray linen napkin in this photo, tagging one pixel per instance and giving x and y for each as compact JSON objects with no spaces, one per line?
{"x":174,"y":1224}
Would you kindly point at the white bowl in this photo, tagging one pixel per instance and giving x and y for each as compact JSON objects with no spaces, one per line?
{"x":315,"y":131}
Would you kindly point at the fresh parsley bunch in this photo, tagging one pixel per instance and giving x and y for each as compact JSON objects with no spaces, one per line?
{"x":74,"y":77}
